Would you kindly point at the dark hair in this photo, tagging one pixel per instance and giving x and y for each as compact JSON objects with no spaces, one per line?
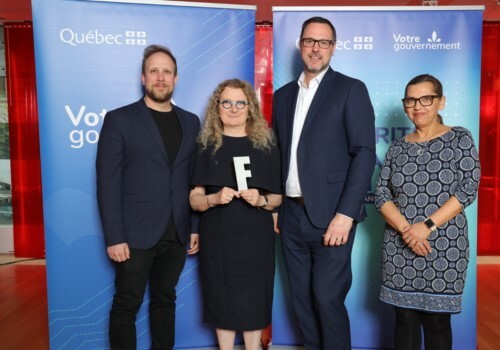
{"x":436,"y":85}
{"x":322,"y":21}
{"x":427,"y":78}
{"x":151,"y":50}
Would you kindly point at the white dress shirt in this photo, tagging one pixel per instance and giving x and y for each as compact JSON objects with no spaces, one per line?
{"x":304,"y":99}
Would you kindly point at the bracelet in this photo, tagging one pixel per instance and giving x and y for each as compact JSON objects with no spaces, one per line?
{"x":266,"y":202}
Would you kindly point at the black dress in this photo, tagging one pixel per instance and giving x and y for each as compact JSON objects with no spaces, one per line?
{"x":236,"y":239}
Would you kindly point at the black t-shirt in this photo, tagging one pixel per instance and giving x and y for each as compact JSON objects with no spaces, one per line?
{"x":170,"y":130}
{"x":171,"y":133}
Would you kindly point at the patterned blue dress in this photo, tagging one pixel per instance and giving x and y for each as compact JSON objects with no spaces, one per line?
{"x":419,"y":177}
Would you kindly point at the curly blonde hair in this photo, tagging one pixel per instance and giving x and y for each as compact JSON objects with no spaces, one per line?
{"x":257,"y":128}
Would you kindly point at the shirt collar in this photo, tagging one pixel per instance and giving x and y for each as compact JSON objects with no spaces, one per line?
{"x":317,"y":79}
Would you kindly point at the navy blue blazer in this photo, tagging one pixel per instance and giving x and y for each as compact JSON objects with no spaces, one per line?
{"x":137,"y":185}
{"x":336,"y":150}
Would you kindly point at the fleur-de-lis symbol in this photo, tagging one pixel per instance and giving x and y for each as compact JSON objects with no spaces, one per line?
{"x":434,"y":38}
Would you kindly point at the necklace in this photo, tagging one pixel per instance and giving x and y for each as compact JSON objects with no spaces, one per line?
{"x":421,"y":147}
{"x":431,"y":136}
{"x":417,"y":148}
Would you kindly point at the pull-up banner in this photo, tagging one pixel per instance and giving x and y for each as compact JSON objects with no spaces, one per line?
{"x":385,"y":47}
{"x":88,"y":61}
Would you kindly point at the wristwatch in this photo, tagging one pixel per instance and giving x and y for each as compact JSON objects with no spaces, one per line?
{"x":430,"y":224}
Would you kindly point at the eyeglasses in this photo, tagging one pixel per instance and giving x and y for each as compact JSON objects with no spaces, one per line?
{"x":323,"y":43}
{"x":228,"y":104}
{"x":424,"y":101}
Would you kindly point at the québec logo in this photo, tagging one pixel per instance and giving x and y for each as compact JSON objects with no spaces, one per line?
{"x":356,"y":43}
{"x":97,"y":37}
{"x":412,"y":43}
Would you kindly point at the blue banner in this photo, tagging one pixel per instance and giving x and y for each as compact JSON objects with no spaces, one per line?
{"x":385,"y":47}
{"x":88,"y":61}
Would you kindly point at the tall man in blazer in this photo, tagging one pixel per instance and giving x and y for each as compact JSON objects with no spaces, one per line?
{"x":143,"y":166}
{"x":324,"y":122}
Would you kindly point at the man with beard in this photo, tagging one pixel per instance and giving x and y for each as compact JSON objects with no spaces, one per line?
{"x":143,"y":165}
{"x":324,"y":122}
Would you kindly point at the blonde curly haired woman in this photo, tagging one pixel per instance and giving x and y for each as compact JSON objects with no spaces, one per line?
{"x":236,"y":226}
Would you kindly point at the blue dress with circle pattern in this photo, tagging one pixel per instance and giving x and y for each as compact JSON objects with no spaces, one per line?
{"x":419,"y":177}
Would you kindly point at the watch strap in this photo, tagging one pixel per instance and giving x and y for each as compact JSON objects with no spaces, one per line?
{"x":430,"y":224}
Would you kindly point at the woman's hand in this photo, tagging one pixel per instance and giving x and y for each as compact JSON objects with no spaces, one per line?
{"x":252,"y":197}
{"x":275,"y":223}
{"x":415,"y":237}
{"x":422,"y":248}
{"x":224,"y":196}
{"x":194,"y":244}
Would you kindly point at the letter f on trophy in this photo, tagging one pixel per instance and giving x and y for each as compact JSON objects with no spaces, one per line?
{"x":241,"y":172}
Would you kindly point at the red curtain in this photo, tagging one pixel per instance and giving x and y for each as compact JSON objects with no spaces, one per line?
{"x":489,"y":143}
{"x":24,"y":142}
{"x":264,"y":67}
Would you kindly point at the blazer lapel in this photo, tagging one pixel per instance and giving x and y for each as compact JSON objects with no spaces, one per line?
{"x":291,"y":104}
{"x":324,"y":90}
{"x":185,"y":131}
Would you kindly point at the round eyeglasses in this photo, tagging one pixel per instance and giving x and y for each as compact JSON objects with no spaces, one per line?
{"x":323,"y":43}
{"x":424,"y":101}
{"x":228,"y":104}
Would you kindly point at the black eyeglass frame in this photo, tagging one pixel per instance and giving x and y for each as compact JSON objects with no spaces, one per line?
{"x":406,"y":100}
{"x":228,"y":104}
{"x":322,"y":43}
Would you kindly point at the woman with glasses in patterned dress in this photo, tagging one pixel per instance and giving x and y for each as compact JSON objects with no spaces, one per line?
{"x":236,"y":225}
{"x":428,"y":178}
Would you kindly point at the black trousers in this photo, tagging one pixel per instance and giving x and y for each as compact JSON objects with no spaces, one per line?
{"x":436,"y":326}
{"x":161,"y":265}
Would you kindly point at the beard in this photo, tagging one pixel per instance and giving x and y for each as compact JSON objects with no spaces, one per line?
{"x":315,"y":70}
{"x":158,"y":97}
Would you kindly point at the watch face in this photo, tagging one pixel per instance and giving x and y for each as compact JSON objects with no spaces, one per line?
{"x":429,"y":223}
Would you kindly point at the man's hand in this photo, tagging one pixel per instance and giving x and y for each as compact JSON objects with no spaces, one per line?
{"x":119,"y":252}
{"x":337,"y":232}
{"x":194,"y":244}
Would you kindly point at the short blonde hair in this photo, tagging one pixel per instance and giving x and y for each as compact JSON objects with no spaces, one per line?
{"x":257,"y":128}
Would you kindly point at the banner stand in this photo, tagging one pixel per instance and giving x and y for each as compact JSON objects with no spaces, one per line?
{"x":385,"y":47}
